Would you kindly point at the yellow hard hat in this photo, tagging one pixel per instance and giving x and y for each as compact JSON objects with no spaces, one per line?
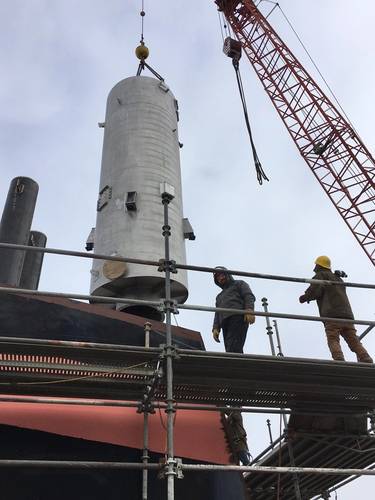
{"x":142,"y":51}
{"x":323,"y":261}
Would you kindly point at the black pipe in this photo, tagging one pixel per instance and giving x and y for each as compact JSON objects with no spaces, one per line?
{"x":32,"y":265}
{"x":15,"y":227}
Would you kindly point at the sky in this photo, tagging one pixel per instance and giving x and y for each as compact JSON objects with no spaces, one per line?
{"x":60,"y":58}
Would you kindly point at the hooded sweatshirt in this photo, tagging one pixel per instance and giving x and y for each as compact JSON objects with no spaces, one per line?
{"x":235,"y":294}
{"x":332,"y":299}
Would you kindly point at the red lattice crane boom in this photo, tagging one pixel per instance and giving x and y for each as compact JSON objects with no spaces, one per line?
{"x":328,"y":143}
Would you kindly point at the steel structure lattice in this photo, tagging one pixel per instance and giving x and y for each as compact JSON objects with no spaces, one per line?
{"x":329,"y":144}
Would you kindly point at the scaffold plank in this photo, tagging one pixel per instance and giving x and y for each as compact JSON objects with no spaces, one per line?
{"x":63,"y":369}
{"x":320,"y":451}
{"x":251,"y":380}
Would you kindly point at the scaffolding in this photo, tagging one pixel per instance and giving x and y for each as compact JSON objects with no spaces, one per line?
{"x":175,"y":378}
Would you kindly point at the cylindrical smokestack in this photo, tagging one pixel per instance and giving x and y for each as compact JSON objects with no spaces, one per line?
{"x":32,"y":265}
{"x":15,"y":227}
{"x":140,"y":151}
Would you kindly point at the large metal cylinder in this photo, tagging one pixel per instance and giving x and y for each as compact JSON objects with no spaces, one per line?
{"x":32,"y":265}
{"x":15,"y":227}
{"x":140,"y":151}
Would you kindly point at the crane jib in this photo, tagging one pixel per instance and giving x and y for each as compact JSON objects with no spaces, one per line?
{"x":324,"y":137}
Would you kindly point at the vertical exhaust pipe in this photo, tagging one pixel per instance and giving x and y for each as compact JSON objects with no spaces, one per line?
{"x":15,"y":227}
{"x":32,"y":265}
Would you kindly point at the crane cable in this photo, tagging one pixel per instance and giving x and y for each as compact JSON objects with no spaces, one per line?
{"x":142,"y":51}
{"x":221,"y":26}
{"x":224,"y":26}
{"x":258,"y":166}
{"x":142,"y":14}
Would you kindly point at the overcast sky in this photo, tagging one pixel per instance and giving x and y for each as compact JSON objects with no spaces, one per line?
{"x":60,"y":58}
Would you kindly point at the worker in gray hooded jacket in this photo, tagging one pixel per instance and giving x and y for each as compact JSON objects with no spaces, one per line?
{"x":235,"y":294}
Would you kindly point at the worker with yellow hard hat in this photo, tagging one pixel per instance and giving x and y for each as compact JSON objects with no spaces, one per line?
{"x":333,"y":303}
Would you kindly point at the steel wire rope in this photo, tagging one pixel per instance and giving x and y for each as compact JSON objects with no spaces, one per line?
{"x":258,"y":166}
{"x":225,"y":25}
{"x":161,"y":417}
{"x":313,"y":62}
{"x":370,"y":193}
{"x":163,"y":424}
{"x":273,"y":8}
{"x":220,"y":24}
{"x":142,"y":14}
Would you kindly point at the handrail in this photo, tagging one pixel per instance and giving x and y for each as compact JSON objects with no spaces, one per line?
{"x":204,"y":269}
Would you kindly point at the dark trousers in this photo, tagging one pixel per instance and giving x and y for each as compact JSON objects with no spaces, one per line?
{"x":234,"y":333}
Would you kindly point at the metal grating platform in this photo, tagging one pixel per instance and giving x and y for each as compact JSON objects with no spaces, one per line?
{"x":122,"y":372}
{"x":311,"y":450}
{"x":273,"y":382}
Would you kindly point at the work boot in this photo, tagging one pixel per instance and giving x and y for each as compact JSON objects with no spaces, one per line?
{"x":338,"y":357}
{"x":365,"y":359}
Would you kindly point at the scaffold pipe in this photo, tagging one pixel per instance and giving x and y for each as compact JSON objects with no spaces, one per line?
{"x":68,"y":464}
{"x":193,"y":307}
{"x":367,"y":331}
{"x":279,"y":470}
{"x":275,"y":315}
{"x":340,"y":485}
{"x":188,"y":267}
{"x":79,"y":344}
{"x":163,"y":406}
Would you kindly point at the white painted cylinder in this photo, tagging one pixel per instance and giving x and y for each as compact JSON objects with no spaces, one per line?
{"x":140,"y":151}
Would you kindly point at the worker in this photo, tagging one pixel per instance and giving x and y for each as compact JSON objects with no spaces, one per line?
{"x":334,"y":303}
{"x":235,"y":294}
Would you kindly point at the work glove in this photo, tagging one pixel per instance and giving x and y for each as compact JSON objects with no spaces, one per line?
{"x":249,"y":318}
{"x":303,"y":299}
{"x":215,"y":334}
